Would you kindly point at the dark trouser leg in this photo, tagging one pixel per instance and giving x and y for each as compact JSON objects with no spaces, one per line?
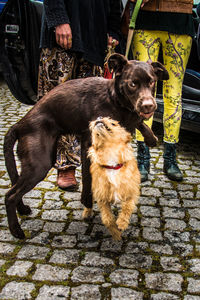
{"x":143,"y":160}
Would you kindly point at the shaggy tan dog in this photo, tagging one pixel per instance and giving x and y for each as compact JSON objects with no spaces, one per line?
{"x":115,"y":175}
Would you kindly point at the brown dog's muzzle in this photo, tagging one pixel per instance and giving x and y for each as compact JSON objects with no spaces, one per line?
{"x":146,"y":107}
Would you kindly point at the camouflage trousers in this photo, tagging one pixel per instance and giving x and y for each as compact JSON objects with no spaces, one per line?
{"x":57,"y":66}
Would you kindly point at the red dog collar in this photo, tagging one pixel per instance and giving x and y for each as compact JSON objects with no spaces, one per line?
{"x":116,"y":167}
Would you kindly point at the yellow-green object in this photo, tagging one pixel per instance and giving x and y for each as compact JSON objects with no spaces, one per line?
{"x":132,"y":26}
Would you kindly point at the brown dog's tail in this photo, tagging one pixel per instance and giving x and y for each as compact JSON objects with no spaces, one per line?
{"x":9,"y":142}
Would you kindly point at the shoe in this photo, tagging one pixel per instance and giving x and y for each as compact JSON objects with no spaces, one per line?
{"x":143,"y":160}
{"x":66,"y":179}
{"x":171,"y":168}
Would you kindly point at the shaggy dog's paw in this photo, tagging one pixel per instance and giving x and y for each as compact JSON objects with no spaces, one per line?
{"x":122,"y":224}
{"x":116,"y":235}
{"x":87,"y":213}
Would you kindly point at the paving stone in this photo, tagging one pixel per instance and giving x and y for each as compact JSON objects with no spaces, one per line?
{"x":195,"y":224}
{"x":139,"y":247}
{"x":190,"y":297}
{"x":75,"y":205}
{"x":49,"y":204}
{"x":135,"y":261}
{"x":164,"y":296}
{"x":125,"y":277}
{"x":34,"y":194}
{"x":33,"y":252}
{"x":66,"y":241}
{"x":85,"y":292}
{"x":174,"y":212}
{"x":110,"y":245}
{"x":17,"y":291}
{"x":32,"y":225}
{"x":53,"y":195}
{"x":19,"y":268}
{"x":147,"y":191}
{"x":2,"y":262}
{"x":191,"y":203}
{"x":149,"y":211}
{"x":125,"y":294}
{"x":164,"y":281}
{"x":87,"y":242}
{"x":51,"y":273}
{"x":94,"y":259}
{"x":66,"y":256}
{"x":194,"y":265}
{"x":55,"y":215}
{"x":87,"y":275}
{"x":170,"y":264}
{"x":57,"y":292}
{"x":170,"y":202}
{"x":175,"y":224}
{"x":182,"y":249}
{"x":152,"y":234}
{"x":193,"y":285}
{"x":77,"y":227}
{"x":41,"y":238}
{"x":54,"y":227}
{"x":194,"y":213}
{"x":6,"y":248}
{"x":177,"y":236}
{"x":5,"y":236}
{"x":147,"y":201}
{"x":151,"y":222}
{"x":162,"y":249}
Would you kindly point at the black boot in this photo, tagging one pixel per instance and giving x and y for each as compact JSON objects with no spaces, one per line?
{"x":143,"y":160}
{"x":171,"y":168}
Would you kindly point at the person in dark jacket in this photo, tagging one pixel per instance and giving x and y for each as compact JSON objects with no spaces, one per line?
{"x":74,"y":38}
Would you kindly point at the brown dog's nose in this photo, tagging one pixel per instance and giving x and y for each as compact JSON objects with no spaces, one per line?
{"x":147,"y":106}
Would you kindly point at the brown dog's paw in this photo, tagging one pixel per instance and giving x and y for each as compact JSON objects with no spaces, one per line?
{"x":152,"y":142}
{"x":17,"y":232}
{"x":87,"y":213}
{"x":24,"y":210}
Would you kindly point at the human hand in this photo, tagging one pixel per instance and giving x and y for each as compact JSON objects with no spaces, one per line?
{"x":112,"y":42}
{"x":64,"y":36}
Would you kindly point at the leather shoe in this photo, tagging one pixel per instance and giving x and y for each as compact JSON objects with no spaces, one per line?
{"x":66,"y":179}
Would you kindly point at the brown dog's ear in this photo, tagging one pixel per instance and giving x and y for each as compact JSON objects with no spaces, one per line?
{"x":160,"y":71}
{"x":116,"y":62}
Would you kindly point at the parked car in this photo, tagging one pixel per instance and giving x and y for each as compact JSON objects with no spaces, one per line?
{"x":20,"y":22}
{"x":2,"y":4}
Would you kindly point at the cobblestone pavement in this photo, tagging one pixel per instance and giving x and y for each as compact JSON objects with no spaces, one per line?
{"x":64,"y":257}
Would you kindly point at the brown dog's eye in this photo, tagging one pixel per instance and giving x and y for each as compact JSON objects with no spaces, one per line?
{"x":113,"y":124}
{"x":152,"y":82}
{"x":133,"y":84}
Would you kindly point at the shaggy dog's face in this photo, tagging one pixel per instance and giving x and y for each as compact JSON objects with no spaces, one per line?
{"x":106,"y":129}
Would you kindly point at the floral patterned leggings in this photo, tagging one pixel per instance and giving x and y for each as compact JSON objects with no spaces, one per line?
{"x":57,"y":66}
{"x":176,"y":50}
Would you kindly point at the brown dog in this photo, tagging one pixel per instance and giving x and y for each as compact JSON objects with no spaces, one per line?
{"x":115,"y":175}
{"x":68,"y":108}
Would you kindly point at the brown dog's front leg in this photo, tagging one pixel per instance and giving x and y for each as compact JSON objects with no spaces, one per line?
{"x":86,"y":195}
{"x":149,"y":138}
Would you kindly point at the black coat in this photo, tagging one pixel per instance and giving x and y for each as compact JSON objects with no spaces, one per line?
{"x":90,"y":21}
